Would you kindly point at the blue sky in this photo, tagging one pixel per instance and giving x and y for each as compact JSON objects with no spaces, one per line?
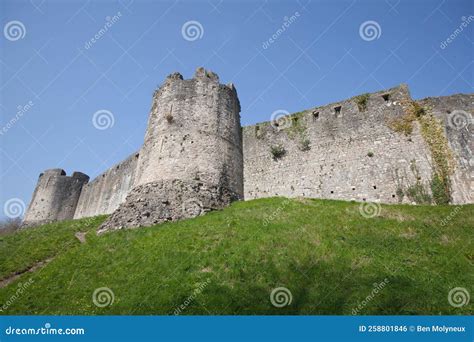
{"x":57,"y":83}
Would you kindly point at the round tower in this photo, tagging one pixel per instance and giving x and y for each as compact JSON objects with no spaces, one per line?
{"x":55,"y":197}
{"x":191,"y":160}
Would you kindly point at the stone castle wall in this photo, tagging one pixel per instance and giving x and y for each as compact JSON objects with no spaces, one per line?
{"x":191,"y":160}
{"x":456,"y":112}
{"x":352,"y":154}
{"x":107,"y":191}
{"x":196,"y":157}
{"x":55,"y":197}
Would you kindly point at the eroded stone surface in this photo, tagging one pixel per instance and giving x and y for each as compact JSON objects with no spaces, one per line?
{"x":194,"y":148}
{"x":192,"y":151}
{"x":55,"y":197}
{"x":162,"y":201}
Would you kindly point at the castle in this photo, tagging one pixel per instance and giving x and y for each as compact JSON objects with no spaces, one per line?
{"x":380,"y":147}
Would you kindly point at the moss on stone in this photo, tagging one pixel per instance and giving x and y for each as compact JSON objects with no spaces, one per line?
{"x":361,"y":101}
{"x":441,"y":155}
{"x":277,"y":151}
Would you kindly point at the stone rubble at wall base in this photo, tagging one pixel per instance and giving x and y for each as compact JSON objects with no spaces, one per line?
{"x":196,"y":157}
{"x":168,"y":201}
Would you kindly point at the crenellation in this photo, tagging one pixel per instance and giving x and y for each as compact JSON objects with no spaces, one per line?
{"x":196,"y":157}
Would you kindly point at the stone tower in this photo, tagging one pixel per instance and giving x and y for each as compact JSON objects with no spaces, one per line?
{"x":55,"y":197}
{"x":191,"y":160}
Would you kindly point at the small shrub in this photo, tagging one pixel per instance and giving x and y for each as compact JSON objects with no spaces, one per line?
{"x":417,"y":110}
{"x":370,"y":154}
{"x":417,"y":193}
{"x":400,"y":194}
{"x":361,"y":101}
{"x":277,"y":151}
{"x":440,"y":190}
{"x":305,"y":145}
{"x":297,"y":127}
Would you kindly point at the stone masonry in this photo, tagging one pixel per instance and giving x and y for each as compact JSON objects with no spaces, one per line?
{"x":55,"y":197}
{"x":196,"y":157}
{"x":191,"y":160}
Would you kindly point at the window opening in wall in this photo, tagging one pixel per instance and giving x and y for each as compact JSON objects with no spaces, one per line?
{"x":315,"y":115}
{"x":337,"y":110}
{"x":375,"y":187}
{"x":386,"y":97}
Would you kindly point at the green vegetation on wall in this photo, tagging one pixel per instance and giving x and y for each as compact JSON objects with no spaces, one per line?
{"x":442,"y":157}
{"x":361,"y":101}
{"x":277,"y":151}
{"x":305,"y":144}
{"x":297,"y":127}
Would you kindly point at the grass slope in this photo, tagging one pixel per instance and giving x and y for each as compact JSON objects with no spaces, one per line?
{"x":227,"y":262}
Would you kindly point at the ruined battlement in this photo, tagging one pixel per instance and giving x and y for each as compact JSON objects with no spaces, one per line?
{"x":340,"y":117}
{"x":196,"y":157}
{"x":192,"y":153}
{"x":55,"y":197}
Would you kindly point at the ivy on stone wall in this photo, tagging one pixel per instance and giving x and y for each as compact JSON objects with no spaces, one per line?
{"x":442,"y":157}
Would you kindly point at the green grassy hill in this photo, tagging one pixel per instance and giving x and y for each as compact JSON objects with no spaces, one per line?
{"x":331,"y":259}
